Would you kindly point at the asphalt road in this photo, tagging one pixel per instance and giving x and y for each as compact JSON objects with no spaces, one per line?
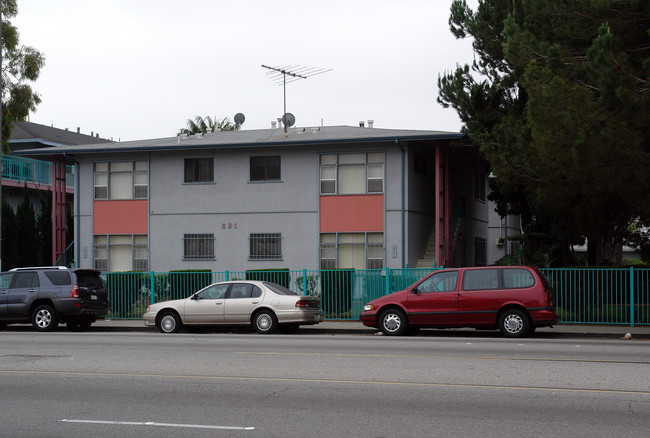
{"x":67,"y":384}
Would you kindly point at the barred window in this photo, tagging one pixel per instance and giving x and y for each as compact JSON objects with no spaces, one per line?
{"x":199,"y":170}
{"x":198,"y":247}
{"x":265,"y":168}
{"x":265,"y":246}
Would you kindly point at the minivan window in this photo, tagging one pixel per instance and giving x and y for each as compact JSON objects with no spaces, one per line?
{"x":439,"y":282}
{"x":58,"y":278}
{"x":517,"y":278}
{"x":481,"y":279}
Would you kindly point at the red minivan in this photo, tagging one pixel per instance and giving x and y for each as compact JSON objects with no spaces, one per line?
{"x":514,"y":299}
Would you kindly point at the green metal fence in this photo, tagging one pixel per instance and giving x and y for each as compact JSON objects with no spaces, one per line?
{"x":586,"y":296}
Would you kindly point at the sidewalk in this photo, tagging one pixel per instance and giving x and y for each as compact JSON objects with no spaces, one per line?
{"x":577,"y":331}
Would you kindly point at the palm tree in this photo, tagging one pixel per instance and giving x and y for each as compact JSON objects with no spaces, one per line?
{"x":203,"y":125}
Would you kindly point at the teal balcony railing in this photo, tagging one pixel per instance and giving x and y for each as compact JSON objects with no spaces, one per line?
{"x":27,"y":170}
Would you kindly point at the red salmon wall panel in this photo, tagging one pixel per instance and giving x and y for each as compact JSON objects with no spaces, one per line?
{"x":352,"y":213}
{"x":120,"y":217}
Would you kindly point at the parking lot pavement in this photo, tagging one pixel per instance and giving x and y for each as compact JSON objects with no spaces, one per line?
{"x":357,"y":328}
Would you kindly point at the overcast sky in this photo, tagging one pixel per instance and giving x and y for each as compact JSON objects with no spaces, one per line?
{"x":137,"y":69}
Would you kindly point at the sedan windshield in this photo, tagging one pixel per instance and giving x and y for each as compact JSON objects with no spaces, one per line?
{"x":280,"y":290}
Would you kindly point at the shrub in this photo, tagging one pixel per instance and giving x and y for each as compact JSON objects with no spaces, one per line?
{"x":279,"y":276}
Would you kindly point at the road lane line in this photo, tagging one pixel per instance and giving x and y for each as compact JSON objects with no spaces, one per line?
{"x":331,"y":381}
{"x":398,"y":356}
{"x":153,"y":423}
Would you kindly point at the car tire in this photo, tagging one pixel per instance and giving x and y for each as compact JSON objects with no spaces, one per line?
{"x":78,"y":326}
{"x":265,"y":322}
{"x":44,"y":319}
{"x":393,"y":322}
{"x":514,"y":323}
{"x":169,"y":322}
{"x":289,"y":329}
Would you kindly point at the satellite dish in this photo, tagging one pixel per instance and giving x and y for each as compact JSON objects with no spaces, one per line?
{"x":239,"y":118}
{"x":288,"y":119}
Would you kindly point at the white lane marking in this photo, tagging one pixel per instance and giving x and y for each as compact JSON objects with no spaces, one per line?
{"x":153,"y":423}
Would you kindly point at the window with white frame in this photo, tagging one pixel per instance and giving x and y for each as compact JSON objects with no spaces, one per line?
{"x":121,"y":252}
{"x":121,"y":179}
{"x":265,"y":246}
{"x":199,"y":170}
{"x":352,"y":250}
{"x":265,"y":168}
{"x":352,"y":173}
{"x":198,"y":247}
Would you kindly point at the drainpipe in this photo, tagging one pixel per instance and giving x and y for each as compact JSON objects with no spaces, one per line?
{"x":403,"y":207}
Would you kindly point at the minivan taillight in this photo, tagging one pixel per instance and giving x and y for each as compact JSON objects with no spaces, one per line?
{"x":75,"y":292}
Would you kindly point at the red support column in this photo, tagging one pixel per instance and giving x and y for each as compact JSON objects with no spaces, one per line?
{"x":443,"y":199}
{"x":58,"y":208}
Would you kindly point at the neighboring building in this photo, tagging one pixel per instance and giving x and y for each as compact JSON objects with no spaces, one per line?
{"x":323,"y":197}
{"x":38,"y":177}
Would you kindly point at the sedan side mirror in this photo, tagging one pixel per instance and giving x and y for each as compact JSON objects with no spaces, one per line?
{"x":415,"y":291}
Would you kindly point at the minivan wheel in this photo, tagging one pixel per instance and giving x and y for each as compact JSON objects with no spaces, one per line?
{"x":514,"y":323}
{"x":265,"y":322}
{"x":392,"y":322}
{"x":44,"y":318}
{"x":169,"y":323}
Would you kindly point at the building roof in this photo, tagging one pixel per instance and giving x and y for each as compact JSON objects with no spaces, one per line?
{"x":253,"y":138}
{"x":28,"y":132}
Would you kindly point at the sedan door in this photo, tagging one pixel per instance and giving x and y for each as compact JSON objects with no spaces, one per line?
{"x":242,"y":299}
{"x":206,"y":306}
{"x":434,"y":302}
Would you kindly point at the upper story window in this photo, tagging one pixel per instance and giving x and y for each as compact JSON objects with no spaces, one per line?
{"x":352,"y":174}
{"x":265,"y":168}
{"x":199,"y":170}
{"x":121,"y":179}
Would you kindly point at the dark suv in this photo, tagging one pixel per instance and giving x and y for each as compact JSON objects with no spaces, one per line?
{"x":46,"y":296}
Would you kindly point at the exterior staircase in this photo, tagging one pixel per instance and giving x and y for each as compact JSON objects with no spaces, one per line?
{"x":429,"y":257}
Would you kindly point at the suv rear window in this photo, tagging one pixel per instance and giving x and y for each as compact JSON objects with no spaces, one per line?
{"x":88,"y":279}
{"x":58,"y":278}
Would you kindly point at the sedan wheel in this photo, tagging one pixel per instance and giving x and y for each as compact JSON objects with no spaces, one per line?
{"x":169,"y":323}
{"x":514,"y":323}
{"x":44,"y":318}
{"x":393,"y":322}
{"x":265,"y":322}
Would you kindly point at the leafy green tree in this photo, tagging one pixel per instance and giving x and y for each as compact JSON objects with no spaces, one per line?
{"x":20,"y":65}
{"x":203,"y":125}
{"x":561,"y":113}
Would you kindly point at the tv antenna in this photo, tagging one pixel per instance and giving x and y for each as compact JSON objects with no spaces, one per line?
{"x":295,"y":73}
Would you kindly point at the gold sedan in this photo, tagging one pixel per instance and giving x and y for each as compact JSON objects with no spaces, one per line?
{"x":265,"y":306}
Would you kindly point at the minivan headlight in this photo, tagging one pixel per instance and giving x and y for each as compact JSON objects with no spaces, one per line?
{"x":368,"y":307}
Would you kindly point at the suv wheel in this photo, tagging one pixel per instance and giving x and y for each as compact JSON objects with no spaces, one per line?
{"x":392,"y":322}
{"x":44,"y":318}
{"x":514,"y":323}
